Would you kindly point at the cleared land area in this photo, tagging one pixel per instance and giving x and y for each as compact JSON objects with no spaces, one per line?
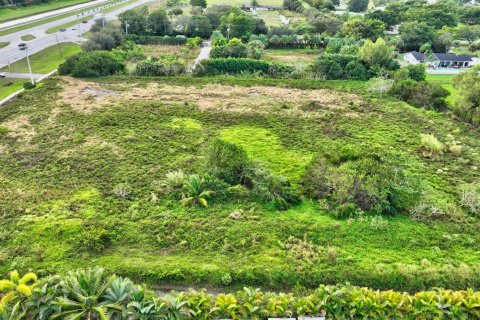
{"x":84,"y":165}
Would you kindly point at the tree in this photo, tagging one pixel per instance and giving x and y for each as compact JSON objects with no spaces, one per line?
{"x":326,"y":24}
{"x":470,"y":15}
{"x":468,"y":33}
{"x":438,"y":15}
{"x":446,"y":39}
{"x":389,"y":18}
{"x":357,"y":5}
{"x":198,"y":3}
{"x":199,"y":26}
{"x":105,"y":39}
{"x":467,"y":101}
{"x":360,"y":28}
{"x":236,"y":23}
{"x":158,"y":22}
{"x":260,"y":27}
{"x":214,"y":14}
{"x":137,"y":23}
{"x":415,"y":34}
{"x":377,"y":53}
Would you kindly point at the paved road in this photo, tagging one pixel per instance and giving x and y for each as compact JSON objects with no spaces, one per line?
{"x":40,"y":16}
{"x":204,"y":52}
{"x":21,"y":75}
{"x":10,"y":53}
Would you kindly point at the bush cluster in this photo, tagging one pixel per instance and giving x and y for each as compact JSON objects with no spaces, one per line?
{"x":91,"y":64}
{"x":351,"y":179}
{"x":145,"y":39}
{"x":94,"y":294}
{"x":241,"y":65}
{"x":158,"y":68}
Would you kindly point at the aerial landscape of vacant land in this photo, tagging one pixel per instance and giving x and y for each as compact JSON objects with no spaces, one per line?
{"x":241,"y":160}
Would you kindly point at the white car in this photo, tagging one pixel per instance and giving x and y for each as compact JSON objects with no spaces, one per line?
{"x":2,"y":75}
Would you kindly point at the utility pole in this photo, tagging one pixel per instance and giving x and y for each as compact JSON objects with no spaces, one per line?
{"x":58,"y":46}
{"x":21,"y":47}
{"x":126,"y":27}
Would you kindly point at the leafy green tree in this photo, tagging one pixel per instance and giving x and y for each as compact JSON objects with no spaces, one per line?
{"x":199,"y":26}
{"x":470,"y":15}
{"x":91,"y":64}
{"x":357,"y":5}
{"x":438,"y":15}
{"x":214,"y":14}
{"x":237,"y":24}
{"x":326,"y":24}
{"x":227,"y":161}
{"x":198,"y":3}
{"x":415,"y":34}
{"x":195,"y":191}
{"x":467,"y":101}
{"x":468,"y":33}
{"x":84,"y":296}
{"x":360,"y":28}
{"x":158,"y":22}
{"x":389,"y":18}
{"x":137,"y":22}
{"x":376,"y":53}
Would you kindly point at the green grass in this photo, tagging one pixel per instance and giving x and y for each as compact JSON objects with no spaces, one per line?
{"x":4,"y":44}
{"x":9,"y":86}
{"x":446,"y":81}
{"x":7,"y":14}
{"x":28,"y":37}
{"x":51,"y":19}
{"x":297,"y":57}
{"x":46,"y":60}
{"x":79,"y":21}
{"x":66,"y":152}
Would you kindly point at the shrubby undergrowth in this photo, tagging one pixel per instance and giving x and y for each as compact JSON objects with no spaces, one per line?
{"x":95,"y":294}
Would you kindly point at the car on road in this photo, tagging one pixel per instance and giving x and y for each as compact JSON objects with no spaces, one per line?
{"x":2,"y":75}
{"x":85,"y":21}
{"x":63,"y":30}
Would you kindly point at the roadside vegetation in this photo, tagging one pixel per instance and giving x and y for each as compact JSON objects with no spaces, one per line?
{"x":45,"y":60}
{"x":9,"y":86}
{"x":295,"y":155}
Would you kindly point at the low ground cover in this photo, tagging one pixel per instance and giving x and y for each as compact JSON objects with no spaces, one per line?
{"x":164,"y":51}
{"x":9,"y":86}
{"x":46,"y":60}
{"x":298,"y":57}
{"x":85,"y":164}
{"x":27,"y":37}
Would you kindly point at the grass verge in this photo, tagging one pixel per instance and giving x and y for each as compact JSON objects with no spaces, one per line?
{"x":46,"y":60}
{"x":9,"y":86}
{"x":27,"y":37}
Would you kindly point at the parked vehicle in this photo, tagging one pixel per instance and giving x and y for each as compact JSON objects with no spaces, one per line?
{"x":2,"y":75}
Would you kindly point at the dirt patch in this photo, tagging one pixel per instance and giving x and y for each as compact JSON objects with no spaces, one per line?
{"x":83,"y":96}
{"x":87,"y":97}
{"x":20,"y":129}
{"x":257,"y":99}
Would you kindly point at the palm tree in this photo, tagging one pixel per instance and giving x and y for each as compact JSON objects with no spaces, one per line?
{"x":84,"y":298}
{"x":196,"y":193}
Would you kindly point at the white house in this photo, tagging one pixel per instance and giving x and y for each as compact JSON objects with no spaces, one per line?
{"x":440,"y":60}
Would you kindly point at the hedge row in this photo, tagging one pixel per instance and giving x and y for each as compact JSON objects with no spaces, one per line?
{"x":219,"y":66}
{"x":94,"y":294}
{"x":156,"y":39}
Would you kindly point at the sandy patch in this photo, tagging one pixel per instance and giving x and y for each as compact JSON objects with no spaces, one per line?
{"x":20,"y":129}
{"x":92,"y":144}
{"x":84,"y":96}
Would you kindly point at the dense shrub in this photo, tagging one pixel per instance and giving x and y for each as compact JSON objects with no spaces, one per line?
{"x":233,"y":49}
{"x":349,"y":179}
{"x":94,"y":294}
{"x":91,"y":64}
{"x":105,"y":39}
{"x":421,"y":94}
{"x":156,"y":39}
{"x":337,"y":66}
{"x":164,"y":67}
{"x":235,"y":66}
{"x":227,"y":161}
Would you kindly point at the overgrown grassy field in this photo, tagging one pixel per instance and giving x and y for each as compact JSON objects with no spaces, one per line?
{"x":9,"y":86}
{"x":46,"y":60}
{"x":299,"y":57}
{"x":7,"y":14}
{"x":83,"y":164}
{"x":182,"y":52}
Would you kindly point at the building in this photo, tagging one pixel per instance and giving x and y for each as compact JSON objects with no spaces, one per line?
{"x":440,"y":60}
